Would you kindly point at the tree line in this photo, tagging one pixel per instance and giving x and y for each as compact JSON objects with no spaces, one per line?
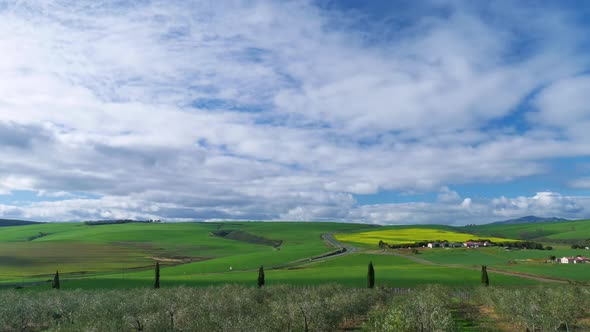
{"x":260,"y":281}
{"x":507,"y":244}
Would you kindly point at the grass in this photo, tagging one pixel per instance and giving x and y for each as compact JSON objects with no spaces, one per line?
{"x":75,"y":248}
{"x":349,"y":270}
{"x":547,"y":231}
{"x":122,"y":256}
{"x":523,"y":261}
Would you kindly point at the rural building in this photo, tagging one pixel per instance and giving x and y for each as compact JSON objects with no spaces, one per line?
{"x":472,"y":244}
{"x":438,"y":244}
{"x":455,"y":245}
{"x":573,"y":260}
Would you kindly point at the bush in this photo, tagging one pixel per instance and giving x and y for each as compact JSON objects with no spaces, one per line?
{"x":422,"y":310}
{"x":227,"y":308}
{"x":537,"y":309}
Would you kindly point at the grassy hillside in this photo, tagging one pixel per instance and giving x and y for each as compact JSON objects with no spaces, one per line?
{"x":39,"y":250}
{"x":12,"y":222}
{"x":347,"y":270}
{"x":570,"y":231}
{"x":200,"y":254}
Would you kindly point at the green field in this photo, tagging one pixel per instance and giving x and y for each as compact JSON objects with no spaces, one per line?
{"x":571,"y":231}
{"x":533,"y":262}
{"x":201,"y":254}
{"x":81,"y":249}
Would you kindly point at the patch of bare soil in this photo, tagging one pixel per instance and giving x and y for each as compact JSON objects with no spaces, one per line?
{"x":499,"y":324}
{"x":177,"y":260}
{"x":354,"y":324}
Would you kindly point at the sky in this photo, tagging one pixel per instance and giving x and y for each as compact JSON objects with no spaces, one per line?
{"x":382,"y":112}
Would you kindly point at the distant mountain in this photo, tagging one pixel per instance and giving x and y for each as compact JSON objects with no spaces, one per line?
{"x":12,"y":222}
{"x":528,"y":219}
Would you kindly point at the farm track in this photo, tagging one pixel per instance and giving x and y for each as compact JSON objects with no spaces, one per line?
{"x":503,"y":272}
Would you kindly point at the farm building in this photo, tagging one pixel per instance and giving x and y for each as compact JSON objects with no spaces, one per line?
{"x":573,"y":260}
{"x":455,"y":245}
{"x":438,"y":244}
{"x":472,"y":244}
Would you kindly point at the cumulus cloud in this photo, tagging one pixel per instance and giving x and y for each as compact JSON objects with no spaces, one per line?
{"x":480,"y":211}
{"x":276,"y":109}
{"x":583,"y":183}
{"x":564,"y":103}
{"x":447,"y":195}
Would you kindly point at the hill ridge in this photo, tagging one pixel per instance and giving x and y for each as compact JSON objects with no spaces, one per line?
{"x":16,"y":222}
{"x":528,"y":220}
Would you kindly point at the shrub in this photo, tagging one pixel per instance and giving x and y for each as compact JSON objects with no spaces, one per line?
{"x":227,"y":308}
{"x":422,"y":310}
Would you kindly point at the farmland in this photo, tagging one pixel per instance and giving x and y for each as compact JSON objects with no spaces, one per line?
{"x":286,"y":308}
{"x":203,"y":254}
{"x":306,"y":273}
{"x":571,"y":231}
{"x":400,"y":235}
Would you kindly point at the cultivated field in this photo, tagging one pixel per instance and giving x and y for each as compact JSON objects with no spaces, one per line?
{"x":203,"y":254}
{"x":400,"y":235}
{"x":571,"y":231}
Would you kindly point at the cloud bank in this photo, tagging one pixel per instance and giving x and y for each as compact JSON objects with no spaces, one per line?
{"x":286,"y":110}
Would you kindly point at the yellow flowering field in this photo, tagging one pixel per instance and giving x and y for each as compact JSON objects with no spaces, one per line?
{"x":410,"y":235}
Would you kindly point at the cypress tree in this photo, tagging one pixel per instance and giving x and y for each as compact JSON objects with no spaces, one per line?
{"x":371,"y":276}
{"x":485,"y":280}
{"x":55,"y":284}
{"x":157,"y":277}
{"x":260,"y":276}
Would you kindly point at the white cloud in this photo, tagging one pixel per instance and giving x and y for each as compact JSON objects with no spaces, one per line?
{"x":271,"y":110}
{"x":468,"y":211}
{"x":583,"y":183}
{"x":447,"y":195}
{"x":565,"y":102}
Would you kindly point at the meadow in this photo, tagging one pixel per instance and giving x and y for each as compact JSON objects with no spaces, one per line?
{"x":567,"y":232}
{"x":77,"y":249}
{"x":204,"y":254}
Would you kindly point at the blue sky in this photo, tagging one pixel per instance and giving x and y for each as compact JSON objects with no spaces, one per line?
{"x":386,"y":112}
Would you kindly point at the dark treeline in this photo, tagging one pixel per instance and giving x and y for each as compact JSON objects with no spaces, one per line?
{"x":507,"y":244}
{"x":523,"y":245}
{"x":117,"y":221}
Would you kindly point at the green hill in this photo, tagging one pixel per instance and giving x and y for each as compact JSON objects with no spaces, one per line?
{"x":556,"y":232}
{"x":201,"y":254}
{"x":13,"y":222}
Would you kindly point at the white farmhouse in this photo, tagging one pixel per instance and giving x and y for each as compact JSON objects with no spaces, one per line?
{"x":573,"y":260}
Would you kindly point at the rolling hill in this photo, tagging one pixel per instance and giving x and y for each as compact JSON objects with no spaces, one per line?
{"x":13,"y":222}
{"x":551,"y":232}
{"x":528,"y":220}
{"x":203,"y":254}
